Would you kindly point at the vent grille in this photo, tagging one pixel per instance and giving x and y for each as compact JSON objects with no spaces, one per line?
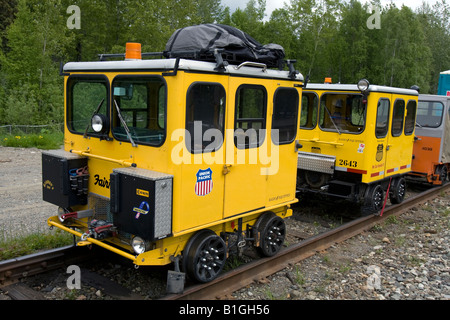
{"x":101,"y":207}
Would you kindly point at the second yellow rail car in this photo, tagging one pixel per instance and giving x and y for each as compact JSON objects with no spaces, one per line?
{"x":357,"y":141}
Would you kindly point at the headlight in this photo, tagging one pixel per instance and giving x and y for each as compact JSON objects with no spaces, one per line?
{"x":139,"y":245}
{"x":363,"y":85}
{"x":97,"y":123}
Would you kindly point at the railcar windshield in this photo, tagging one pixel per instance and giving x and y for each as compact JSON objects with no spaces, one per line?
{"x":85,"y":96}
{"x":139,"y":109}
{"x":342,"y":112}
{"x":429,"y":114}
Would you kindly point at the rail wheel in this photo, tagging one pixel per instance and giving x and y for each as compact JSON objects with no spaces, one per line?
{"x":205,"y":256}
{"x":273,"y":233}
{"x":397,"y":191}
{"x":374,"y":199}
{"x":443,"y":173}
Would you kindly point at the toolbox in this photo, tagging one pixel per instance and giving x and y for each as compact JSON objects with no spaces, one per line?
{"x":65,"y":178}
{"x":141,"y":202}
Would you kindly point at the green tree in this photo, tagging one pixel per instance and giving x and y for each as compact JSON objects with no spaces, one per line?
{"x":353,"y":46}
{"x":7,"y":15}
{"x":404,"y":54}
{"x":436,"y":24}
{"x":31,"y":66}
{"x":316,"y":28}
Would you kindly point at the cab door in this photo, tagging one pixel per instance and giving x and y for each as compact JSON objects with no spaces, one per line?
{"x":400,"y":139}
{"x":261,"y":159}
{"x":377,"y":148}
{"x":246,"y":137}
{"x":201,"y":155}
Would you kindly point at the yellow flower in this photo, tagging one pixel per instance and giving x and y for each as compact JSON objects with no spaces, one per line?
{"x":41,"y":137}
{"x":17,"y":137}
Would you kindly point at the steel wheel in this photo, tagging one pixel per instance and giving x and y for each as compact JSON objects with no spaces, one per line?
{"x":374,"y":200}
{"x":443,"y":173}
{"x":206,"y":257}
{"x":273,"y":233}
{"x":398,"y":191}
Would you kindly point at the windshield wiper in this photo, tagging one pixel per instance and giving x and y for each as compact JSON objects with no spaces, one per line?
{"x":124,"y":124}
{"x":331,"y":118}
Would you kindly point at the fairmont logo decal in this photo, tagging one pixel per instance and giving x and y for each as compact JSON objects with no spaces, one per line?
{"x":104,"y":183}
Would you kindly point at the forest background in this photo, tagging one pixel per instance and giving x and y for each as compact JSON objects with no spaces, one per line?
{"x":328,"y":38}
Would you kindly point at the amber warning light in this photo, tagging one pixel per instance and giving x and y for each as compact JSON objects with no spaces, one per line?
{"x":133,"y":51}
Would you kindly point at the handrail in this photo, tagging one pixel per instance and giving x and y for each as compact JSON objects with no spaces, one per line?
{"x":252,"y":64}
{"x":88,"y":153}
{"x":321,"y":141}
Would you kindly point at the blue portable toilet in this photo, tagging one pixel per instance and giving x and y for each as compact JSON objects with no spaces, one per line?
{"x":444,"y":83}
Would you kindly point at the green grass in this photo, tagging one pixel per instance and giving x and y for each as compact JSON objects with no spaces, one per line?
{"x":32,"y":243}
{"x":45,"y":141}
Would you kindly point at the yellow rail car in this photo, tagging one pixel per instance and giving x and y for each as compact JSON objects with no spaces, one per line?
{"x":169,"y":160}
{"x":357,"y":141}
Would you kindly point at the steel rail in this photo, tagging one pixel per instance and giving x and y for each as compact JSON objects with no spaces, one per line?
{"x":13,"y":270}
{"x":264,"y":267}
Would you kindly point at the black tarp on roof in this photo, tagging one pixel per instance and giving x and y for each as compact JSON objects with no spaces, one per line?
{"x":236,"y":46}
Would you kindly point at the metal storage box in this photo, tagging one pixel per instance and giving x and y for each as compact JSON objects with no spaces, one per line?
{"x":64,"y":178}
{"x":141,"y":202}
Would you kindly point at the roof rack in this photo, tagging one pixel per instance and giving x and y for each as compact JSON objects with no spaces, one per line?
{"x":218,"y":56}
{"x":104,"y":56}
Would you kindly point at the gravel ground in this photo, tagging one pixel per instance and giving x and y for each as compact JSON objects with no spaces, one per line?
{"x":21,"y":207}
{"x":405,"y":258}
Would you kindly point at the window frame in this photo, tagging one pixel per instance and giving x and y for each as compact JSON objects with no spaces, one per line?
{"x":428,"y":109}
{"x":387,"y":119}
{"x":325,"y":113}
{"x":69,"y":101}
{"x":413,"y":126}
{"x":400,"y":130}
{"x":296,"y":125}
{"x":260,"y":140}
{"x":113,"y":112}
{"x":316,"y":107}
{"x":188,"y":92}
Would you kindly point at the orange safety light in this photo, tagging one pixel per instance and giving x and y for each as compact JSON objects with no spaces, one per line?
{"x":133,"y":51}
{"x":327,"y":80}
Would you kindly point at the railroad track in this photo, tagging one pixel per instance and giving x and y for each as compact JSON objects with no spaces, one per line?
{"x":12,"y":271}
{"x":264,"y":267}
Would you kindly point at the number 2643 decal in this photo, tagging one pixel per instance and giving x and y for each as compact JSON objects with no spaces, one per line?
{"x":348,"y":163}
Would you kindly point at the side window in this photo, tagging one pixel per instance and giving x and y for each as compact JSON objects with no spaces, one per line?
{"x":410,"y":119}
{"x":250,"y":116}
{"x":381,"y":128}
{"x":308,"y":117}
{"x":398,"y":117}
{"x":285,"y":114}
{"x":205,"y":114}
{"x":429,"y":114}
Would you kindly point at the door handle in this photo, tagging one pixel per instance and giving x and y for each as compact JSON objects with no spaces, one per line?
{"x":388,"y":147}
{"x":298,"y":145}
{"x":226,"y":169}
